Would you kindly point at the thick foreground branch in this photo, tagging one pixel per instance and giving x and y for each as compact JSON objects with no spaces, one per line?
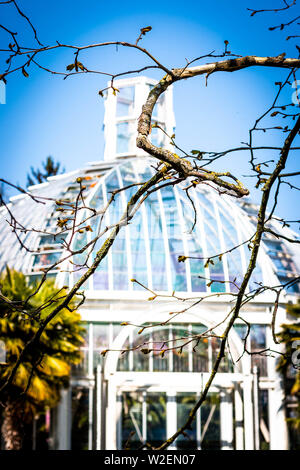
{"x":183,"y":166}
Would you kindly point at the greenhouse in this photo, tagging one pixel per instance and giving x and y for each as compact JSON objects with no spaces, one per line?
{"x":129,"y":398}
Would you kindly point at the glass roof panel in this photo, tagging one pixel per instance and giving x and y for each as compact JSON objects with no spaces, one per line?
{"x":149,"y":247}
{"x":235,"y":266}
{"x":195,"y":246}
{"x":157,"y":243}
{"x":175,"y":235}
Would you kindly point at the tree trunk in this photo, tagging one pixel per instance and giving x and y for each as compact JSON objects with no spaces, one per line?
{"x":12,"y":426}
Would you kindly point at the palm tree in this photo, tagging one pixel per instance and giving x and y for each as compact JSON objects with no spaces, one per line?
{"x":36,"y":385}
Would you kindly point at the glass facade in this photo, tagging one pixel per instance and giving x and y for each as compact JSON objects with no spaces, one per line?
{"x":144,"y":414}
{"x":148,"y":249}
{"x":163,"y":229}
{"x":186,"y":348}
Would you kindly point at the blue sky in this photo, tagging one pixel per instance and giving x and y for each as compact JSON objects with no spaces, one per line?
{"x":45,"y":115}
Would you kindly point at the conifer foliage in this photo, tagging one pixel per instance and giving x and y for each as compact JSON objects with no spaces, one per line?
{"x":50,"y":168}
{"x":289,"y":366}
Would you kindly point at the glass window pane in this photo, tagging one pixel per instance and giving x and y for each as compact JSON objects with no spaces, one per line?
{"x":200,"y":350}
{"x":264,"y":417}
{"x":123,"y":109}
{"x":156,"y":418}
{"x":185,"y":404}
{"x":258,"y":344}
{"x":180,"y":356}
{"x":160,"y":340}
{"x":123,"y":362}
{"x":156,"y":239}
{"x":138,"y":251}
{"x":175,"y":236}
{"x":141,"y":360}
{"x":126,"y":93}
{"x":210,"y":415}
{"x":100,"y":279}
{"x":258,"y":337}
{"x":134,"y":431}
{"x":45,"y":259}
{"x":100,"y":341}
{"x":80,"y":418}
{"x":125,"y":101}
{"x":195,"y":247}
{"x":97,"y":200}
{"x":226,"y":363}
{"x":234,"y":258}
{"x":48,"y":240}
{"x":241,"y":330}
{"x":123,"y":137}
{"x":132,"y":420}
{"x":82,"y":368}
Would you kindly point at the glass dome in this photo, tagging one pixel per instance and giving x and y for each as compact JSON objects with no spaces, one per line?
{"x":163,"y":229}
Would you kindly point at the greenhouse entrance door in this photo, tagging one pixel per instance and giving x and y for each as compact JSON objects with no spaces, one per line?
{"x":153,"y":416}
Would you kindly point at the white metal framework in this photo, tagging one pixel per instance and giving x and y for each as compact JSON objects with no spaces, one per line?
{"x":148,"y":394}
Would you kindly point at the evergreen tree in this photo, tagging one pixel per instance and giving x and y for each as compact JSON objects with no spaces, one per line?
{"x":34,"y":388}
{"x":289,"y":366}
{"x":50,"y":168}
{"x":2,"y":194}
